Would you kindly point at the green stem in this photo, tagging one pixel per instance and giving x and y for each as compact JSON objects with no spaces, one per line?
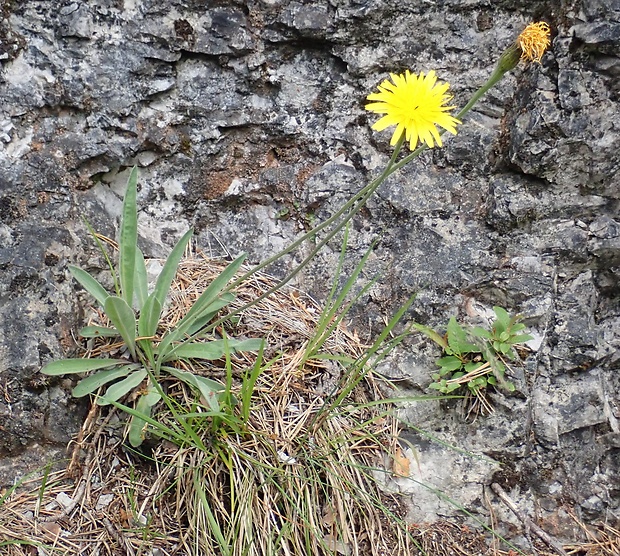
{"x":353,"y":205}
{"x":363,"y":193}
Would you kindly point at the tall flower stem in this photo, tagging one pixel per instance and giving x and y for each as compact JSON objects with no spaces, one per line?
{"x":339,"y":220}
{"x":536,"y":38}
{"x":347,"y":211}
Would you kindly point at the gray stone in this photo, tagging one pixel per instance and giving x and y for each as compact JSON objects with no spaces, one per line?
{"x":248,"y":122}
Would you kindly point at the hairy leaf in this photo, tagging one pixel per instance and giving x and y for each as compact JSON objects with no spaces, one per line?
{"x":209,"y":390}
{"x":91,"y":383}
{"x":98,"y":332}
{"x":72,"y":366}
{"x":140,"y":281}
{"x":215,"y":349}
{"x":91,"y":285}
{"x":119,"y":389}
{"x":128,"y":239}
{"x":207,"y":298}
{"x":144,"y":408}
{"x":124,"y":320}
{"x":149,"y":317}
{"x":168,"y":272}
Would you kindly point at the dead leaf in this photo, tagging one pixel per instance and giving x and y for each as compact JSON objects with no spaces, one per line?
{"x":401,"y":465}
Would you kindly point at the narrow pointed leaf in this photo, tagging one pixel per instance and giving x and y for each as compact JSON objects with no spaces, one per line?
{"x":93,"y":382}
{"x":216,"y":349}
{"x":144,"y":408}
{"x":210,"y":312}
{"x":91,"y":285}
{"x":168,"y":272}
{"x":209,"y":390}
{"x":149,"y":317}
{"x":431,"y":334}
{"x":72,"y":366}
{"x":119,"y":389}
{"x":98,"y":332}
{"x":200,"y":305}
{"x":124,"y":320}
{"x":140,"y":282}
{"x":128,"y":238}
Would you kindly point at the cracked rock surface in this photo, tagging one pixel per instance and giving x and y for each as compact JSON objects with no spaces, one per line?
{"x":246,"y":119}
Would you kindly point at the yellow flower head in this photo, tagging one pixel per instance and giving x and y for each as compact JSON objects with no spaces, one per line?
{"x":534,"y":41}
{"x":415,"y":104}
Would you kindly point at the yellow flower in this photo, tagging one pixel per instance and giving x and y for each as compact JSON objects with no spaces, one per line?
{"x":533,"y":41}
{"x":415,"y":104}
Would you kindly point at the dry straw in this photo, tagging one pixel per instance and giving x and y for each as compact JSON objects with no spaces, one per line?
{"x":293,"y":483}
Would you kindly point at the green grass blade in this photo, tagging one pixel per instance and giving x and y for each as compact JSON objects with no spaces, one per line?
{"x":119,"y":389}
{"x":124,"y":320}
{"x":104,"y":252}
{"x":249,"y":381}
{"x":72,"y":366}
{"x":216,"y":531}
{"x":91,"y":383}
{"x":169,"y":270}
{"x":140,"y":282}
{"x":91,"y":285}
{"x":128,"y":238}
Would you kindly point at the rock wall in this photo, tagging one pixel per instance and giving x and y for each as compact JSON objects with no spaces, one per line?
{"x":247,"y":120}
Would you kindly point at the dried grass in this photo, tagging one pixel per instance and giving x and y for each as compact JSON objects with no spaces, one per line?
{"x":297,"y":482}
{"x":294,"y":483}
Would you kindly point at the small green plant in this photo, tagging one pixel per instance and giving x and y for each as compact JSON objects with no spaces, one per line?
{"x":135,"y":314}
{"x":475,"y":357}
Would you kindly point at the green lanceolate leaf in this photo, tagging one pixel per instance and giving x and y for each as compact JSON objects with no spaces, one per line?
{"x":124,"y":320}
{"x":216,"y":349}
{"x":137,"y":426}
{"x":91,"y":285}
{"x":98,"y":332}
{"x":457,"y":339}
{"x":93,"y":382}
{"x":128,"y":240}
{"x":169,"y":270}
{"x":210,"y":312}
{"x":200,"y":305}
{"x":119,"y":389}
{"x":140,"y":282}
{"x":149,"y":317}
{"x":432,"y":334}
{"x":72,"y":366}
{"x":209,"y":390}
